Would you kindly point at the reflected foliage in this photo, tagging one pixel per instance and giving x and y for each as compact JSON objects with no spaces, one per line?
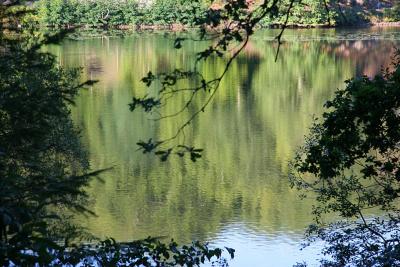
{"x":256,"y":116}
{"x":229,"y":29}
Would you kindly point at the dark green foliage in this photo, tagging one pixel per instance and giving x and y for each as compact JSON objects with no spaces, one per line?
{"x":180,"y":150}
{"x":351,"y":16}
{"x":360,"y":131}
{"x":351,"y":162}
{"x":42,"y":165}
{"x":147,"y":104}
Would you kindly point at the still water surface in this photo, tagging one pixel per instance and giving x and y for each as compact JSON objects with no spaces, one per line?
{"x":238,"y":194}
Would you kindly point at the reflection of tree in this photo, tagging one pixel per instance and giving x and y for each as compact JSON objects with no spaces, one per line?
{"x":369,"y":51}
{"x":258,"y":118}
{"x":248,"y":65}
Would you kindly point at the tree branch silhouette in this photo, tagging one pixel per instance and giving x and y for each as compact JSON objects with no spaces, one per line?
{"x":230,"y":29}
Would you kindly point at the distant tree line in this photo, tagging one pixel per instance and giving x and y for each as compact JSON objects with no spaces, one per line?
{"x":102,"y":13}
{"x":117,"y":13}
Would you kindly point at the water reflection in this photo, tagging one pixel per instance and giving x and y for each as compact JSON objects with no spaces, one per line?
{"x":238,"y":195}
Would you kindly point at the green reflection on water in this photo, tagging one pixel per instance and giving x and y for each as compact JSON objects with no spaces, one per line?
{"x":249,"y":132}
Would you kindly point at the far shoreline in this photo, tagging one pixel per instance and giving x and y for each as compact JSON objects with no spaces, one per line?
{"x":181,"y":27}
{"x":176,"y":27}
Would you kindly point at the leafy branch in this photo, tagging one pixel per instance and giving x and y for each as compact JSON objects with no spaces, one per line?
{"x":229,"y":29}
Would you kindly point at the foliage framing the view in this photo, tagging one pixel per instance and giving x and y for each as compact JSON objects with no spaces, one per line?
{"x":350,"y":161}
{"x":234,"y":24}
{"x":44,"y":170}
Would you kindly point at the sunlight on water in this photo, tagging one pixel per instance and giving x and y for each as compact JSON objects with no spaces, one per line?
{"x":256,"y":248}
{"x":238,"y":195}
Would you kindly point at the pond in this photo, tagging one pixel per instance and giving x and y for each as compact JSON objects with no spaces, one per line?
{"x":238,"y":194}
